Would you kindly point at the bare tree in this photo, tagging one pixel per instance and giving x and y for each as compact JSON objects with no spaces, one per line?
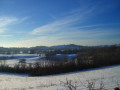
{"x":69,"y":84}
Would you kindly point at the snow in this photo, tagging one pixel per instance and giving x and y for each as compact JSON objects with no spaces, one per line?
{"x":30,"y":58}
{"x":110,"y":76}
{"x":17,"y":56}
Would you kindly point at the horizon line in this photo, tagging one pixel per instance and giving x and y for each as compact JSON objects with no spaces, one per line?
{"x":61,"y":44}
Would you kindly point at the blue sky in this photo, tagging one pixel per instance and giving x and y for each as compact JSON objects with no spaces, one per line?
{"x":27,"y":23}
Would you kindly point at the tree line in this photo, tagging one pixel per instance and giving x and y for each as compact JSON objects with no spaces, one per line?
{"x":90,"y":58}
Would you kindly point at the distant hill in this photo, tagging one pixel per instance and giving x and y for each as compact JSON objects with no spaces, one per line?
{"x":70,"y":46}
{"x":49,"y":48}
{"x":39,"y":47}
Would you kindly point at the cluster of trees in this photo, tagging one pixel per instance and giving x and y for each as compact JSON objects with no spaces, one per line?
{"x":12,"y":50}
{"x":100,"y":57}
{"x":67,"y":51}
{"x":91,"y":58}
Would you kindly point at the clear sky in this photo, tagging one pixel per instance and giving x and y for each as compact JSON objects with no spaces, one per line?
{"x":27,"y":23}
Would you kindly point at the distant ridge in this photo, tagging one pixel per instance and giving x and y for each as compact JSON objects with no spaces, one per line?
{"x":59,"y":46}
{"x":70,"y":46}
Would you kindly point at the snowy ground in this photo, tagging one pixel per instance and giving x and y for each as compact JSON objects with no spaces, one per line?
{"x":110,"y":76}
{"x":30,"y":58}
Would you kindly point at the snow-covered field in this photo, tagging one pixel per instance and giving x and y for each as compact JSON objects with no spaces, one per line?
{"x":109,"y":76}
{"x":30,"y":58}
